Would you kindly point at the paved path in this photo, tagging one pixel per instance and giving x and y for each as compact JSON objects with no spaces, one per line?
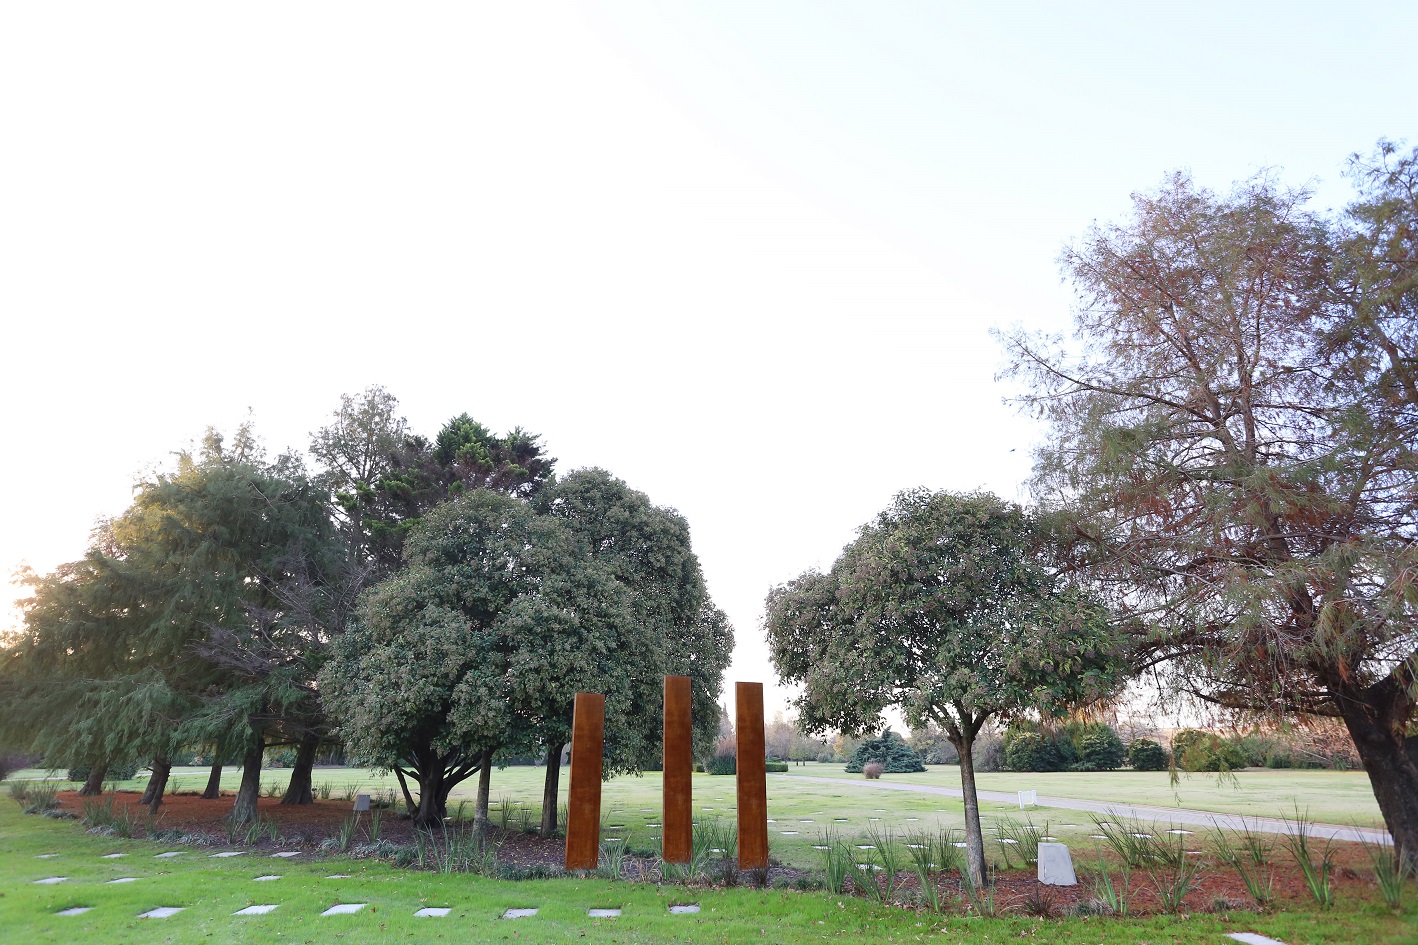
{"x":1172,"y":815}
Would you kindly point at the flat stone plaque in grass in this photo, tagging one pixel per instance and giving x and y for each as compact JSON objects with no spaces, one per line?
{"x":789,"y":833}
{"x":285,"y":855}
{"x":168,"y":855}
{"x":162,"y":912}
{"x":603,"y":913}
{"x":432,"y":913}
{"x":222,"y":856}
{"x":46,"y":856}
{"x":255,"y":910}
{"x":338,"y":876}
{"x":264,"y":879}
{"x":76,"y":910}
{"x":348,"y":908}
{"x":1252,"y":938}
{"x":112,"y":856}
{"x":50,"y":881}
{"x":687,"y":909}
{"x":121,"y":879}
{"x":519,"y":913}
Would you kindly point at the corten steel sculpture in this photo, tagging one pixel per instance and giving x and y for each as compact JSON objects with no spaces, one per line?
{"x":583,"y":820}
{"x":678,"y":790}
{"x":752,"y":776}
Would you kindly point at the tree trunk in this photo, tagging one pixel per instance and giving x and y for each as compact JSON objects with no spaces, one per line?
{"x":409,"y":806}
{"x":157,"y":785}
{"x":550,"y":788}
{"x":214,"y":782}
{"x":974,"y":839}
{"x":244,"y":809}
{"x":480,"y":819}
{"x":93,"y":784}
{"x":430,"y":774}
{"x":1393,"y":774}
{"x":299,"y":790}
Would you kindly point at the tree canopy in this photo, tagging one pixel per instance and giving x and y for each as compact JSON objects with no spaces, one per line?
{"x":945,"y":608}
{"x":1230,"y":459}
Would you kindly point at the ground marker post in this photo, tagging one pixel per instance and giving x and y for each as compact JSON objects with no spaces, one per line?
{"x":677,"y":828}
{"x":752,"y":776}
{"x":583,"y":820}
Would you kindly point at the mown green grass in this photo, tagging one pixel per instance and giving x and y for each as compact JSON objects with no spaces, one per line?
{"x":210,"y":890}
{"x":1328,"y":796}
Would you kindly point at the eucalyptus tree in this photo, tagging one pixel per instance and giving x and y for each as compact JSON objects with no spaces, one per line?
{"x":945,"y":608}
{"x":1230,"y":457}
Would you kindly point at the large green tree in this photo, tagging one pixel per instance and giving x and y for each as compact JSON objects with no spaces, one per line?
{"x":1231,"y":451}
{"x":944,"y":607}
{"x":647,"y":551}
{"x":497,"y":612}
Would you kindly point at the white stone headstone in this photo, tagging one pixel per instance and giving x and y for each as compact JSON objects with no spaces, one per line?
{"x":51,"y":881}
{"x":603,"y":913}
{"x":519,"y":913}
{"x":162,"y":912}
{"x":76,"y":910}
{"x":1252,"y":938}
{"x":1028,"y":799}
{"x":433,"y":912}
{"x":255,"y":910}
{"x":361,"y":802}
{"x":121,"y":879}
{"x":683,"y":910}
{"x":1055,"y":865}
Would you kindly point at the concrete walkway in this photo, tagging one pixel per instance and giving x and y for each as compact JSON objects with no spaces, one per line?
{"x":1174,"y":816}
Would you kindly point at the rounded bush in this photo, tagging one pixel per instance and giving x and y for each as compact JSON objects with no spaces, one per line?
{"x":1031,"y":751}
{"x":873,"y":769}
{"x":890,"y":750}
{"x":1146,"y":755}
{"x":1100,"y":749}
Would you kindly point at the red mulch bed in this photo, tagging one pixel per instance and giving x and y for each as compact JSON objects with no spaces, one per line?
{"x":304,"y":826}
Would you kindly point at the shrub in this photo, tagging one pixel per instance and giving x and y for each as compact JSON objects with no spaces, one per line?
{"x":988,"y":753}
{"x":1033,"y":751}
{"x":1195,"y":750}
{"x":825,"y":757}
{"x":891,"y":750}
{"x":1146,"y":755}
{"x":9,"y":764}
{"x":873,"y":769}
{"x":776,"y":767}
{"x":722,"y":764}
{"x":1100,"y":749}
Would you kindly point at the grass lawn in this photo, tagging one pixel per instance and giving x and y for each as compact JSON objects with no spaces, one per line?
{"x":209,"y":890}
{"x":803,"y":810}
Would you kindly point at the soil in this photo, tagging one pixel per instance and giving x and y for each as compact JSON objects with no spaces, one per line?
{"x":304,"y":826}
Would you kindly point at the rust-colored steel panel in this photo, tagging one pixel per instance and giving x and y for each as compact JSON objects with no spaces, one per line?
{"x":583,"y":820}
{"x":752,"y":777}
{"x":679,"y":771}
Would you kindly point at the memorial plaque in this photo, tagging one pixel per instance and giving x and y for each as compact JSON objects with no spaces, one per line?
{"x":583,"y":821}
{"x":752,"y":776}
{"x":679,"y":771}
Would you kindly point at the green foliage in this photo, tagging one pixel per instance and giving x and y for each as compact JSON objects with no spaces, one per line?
{"x":122,"y":771}
{"x":721,"y":763}
{"x":890,"y":751}
{"x":1036,"y":751}
{"x":1144,"y":754}
{"x":1195,"y":750}
{"x":944,"y":607}
{"x":1099,"y":749}
{"x":775,"y":767}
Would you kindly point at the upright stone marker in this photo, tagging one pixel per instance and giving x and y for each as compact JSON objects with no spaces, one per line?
{"x":752,"y":776}
{"x":679,"y":771}
{"x":583,"y":820}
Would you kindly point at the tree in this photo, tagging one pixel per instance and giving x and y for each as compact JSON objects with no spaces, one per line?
{"x":497,"y":618}
{"x":890,"y":751}
{"x":420,"y":475}
{"x":943,"y":607}
{"x":1230,"y":460}
{"x":647,"y":550}
{"x":1146,"y":755}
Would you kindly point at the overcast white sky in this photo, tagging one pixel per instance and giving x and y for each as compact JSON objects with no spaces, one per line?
{"x":744,"y":255}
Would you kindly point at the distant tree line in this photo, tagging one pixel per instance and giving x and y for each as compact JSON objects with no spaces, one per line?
{"x":429,"y":606}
